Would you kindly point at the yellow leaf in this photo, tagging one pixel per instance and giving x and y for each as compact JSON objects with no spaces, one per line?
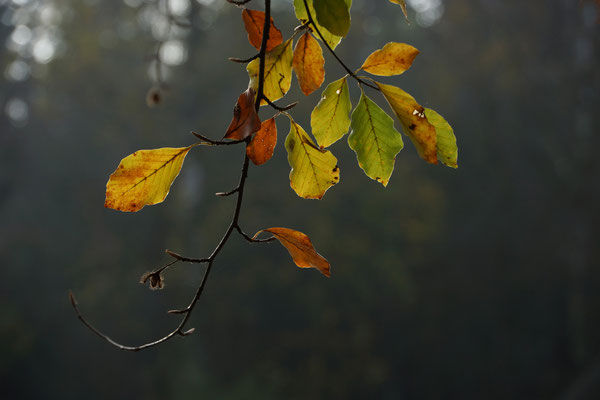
{"x":313,"y":170}
{"x":278,"y":72}
{"x":144,"y":178}
{"x":300,"y":248}
{"x":308,"y":63}
{"x":393,"y":59}
{"x":412,"y":116}
{"x":402,"y":4}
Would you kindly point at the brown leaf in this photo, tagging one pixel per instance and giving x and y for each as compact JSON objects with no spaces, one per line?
{"x":260,"y":149}
{"x":308,"y":64}
{"x":300,"y":248}
{"x":245,"y":119}
{"x":254,"y":21}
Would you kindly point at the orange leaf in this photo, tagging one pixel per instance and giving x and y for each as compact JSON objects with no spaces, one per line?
{"x":254,"y":21}
{"x":260,"y":149}
{"x":308,"y":64}
{"x":245,"y":119}
{"x":300,"y":248}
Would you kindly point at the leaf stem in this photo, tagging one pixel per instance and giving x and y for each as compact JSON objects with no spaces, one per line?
{"x":348,"y":70}
{"x":251,"y":239}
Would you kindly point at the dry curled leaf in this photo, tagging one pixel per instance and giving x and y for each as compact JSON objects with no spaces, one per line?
{"x":261,"y":147}
{"x":254,"y":22}
{"x":300,"y":248}
{"x":245,"y":119}
{"x":154,"y":279}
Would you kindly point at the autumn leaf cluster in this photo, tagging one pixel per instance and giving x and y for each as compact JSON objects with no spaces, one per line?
{"x":145,"y":177}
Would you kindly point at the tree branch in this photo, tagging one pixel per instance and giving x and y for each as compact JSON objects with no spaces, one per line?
{"x":348,"y":70}
{"x":233,"y":225}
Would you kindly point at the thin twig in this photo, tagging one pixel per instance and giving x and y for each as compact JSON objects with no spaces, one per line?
{"x":348,"y":70}
{"x":276,"y":107}
{"x":186,"y":259}
{"x":225,"y":194}
{"x":209,"y":142}
{"x":233,"y":225}
{"x":251,"y":239}
{"x":159,"y":86}
{"x":239,"y":2}
{"x":243,"y":60}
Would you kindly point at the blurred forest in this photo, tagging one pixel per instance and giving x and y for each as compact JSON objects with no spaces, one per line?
{"x":476,"y":283}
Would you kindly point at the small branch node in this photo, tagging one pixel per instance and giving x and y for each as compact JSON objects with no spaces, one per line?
{"x":188,"y":332}
{"x":225,"y":194}
{"x":174,"y":255}
{"x":278,"y":108}
{"x":179,"y":257}
{"x":182,"y":311}
{"x":243,"y":60}
{"x":239,"y":2}
{"x":72,"y":299}
{"x":209,"y":142}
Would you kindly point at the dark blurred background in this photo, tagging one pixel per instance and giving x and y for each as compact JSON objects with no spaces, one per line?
{"x":476,"y":283}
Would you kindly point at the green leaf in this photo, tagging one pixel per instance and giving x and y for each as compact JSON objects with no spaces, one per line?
{"x":278,"y":72}
{"x":334,"y":15}
{"x":447,"y":151}
{"x":313,"y":170}
{"x":374,"y":140}
{"x":329,"y":120}
{"x":331,"y":39}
